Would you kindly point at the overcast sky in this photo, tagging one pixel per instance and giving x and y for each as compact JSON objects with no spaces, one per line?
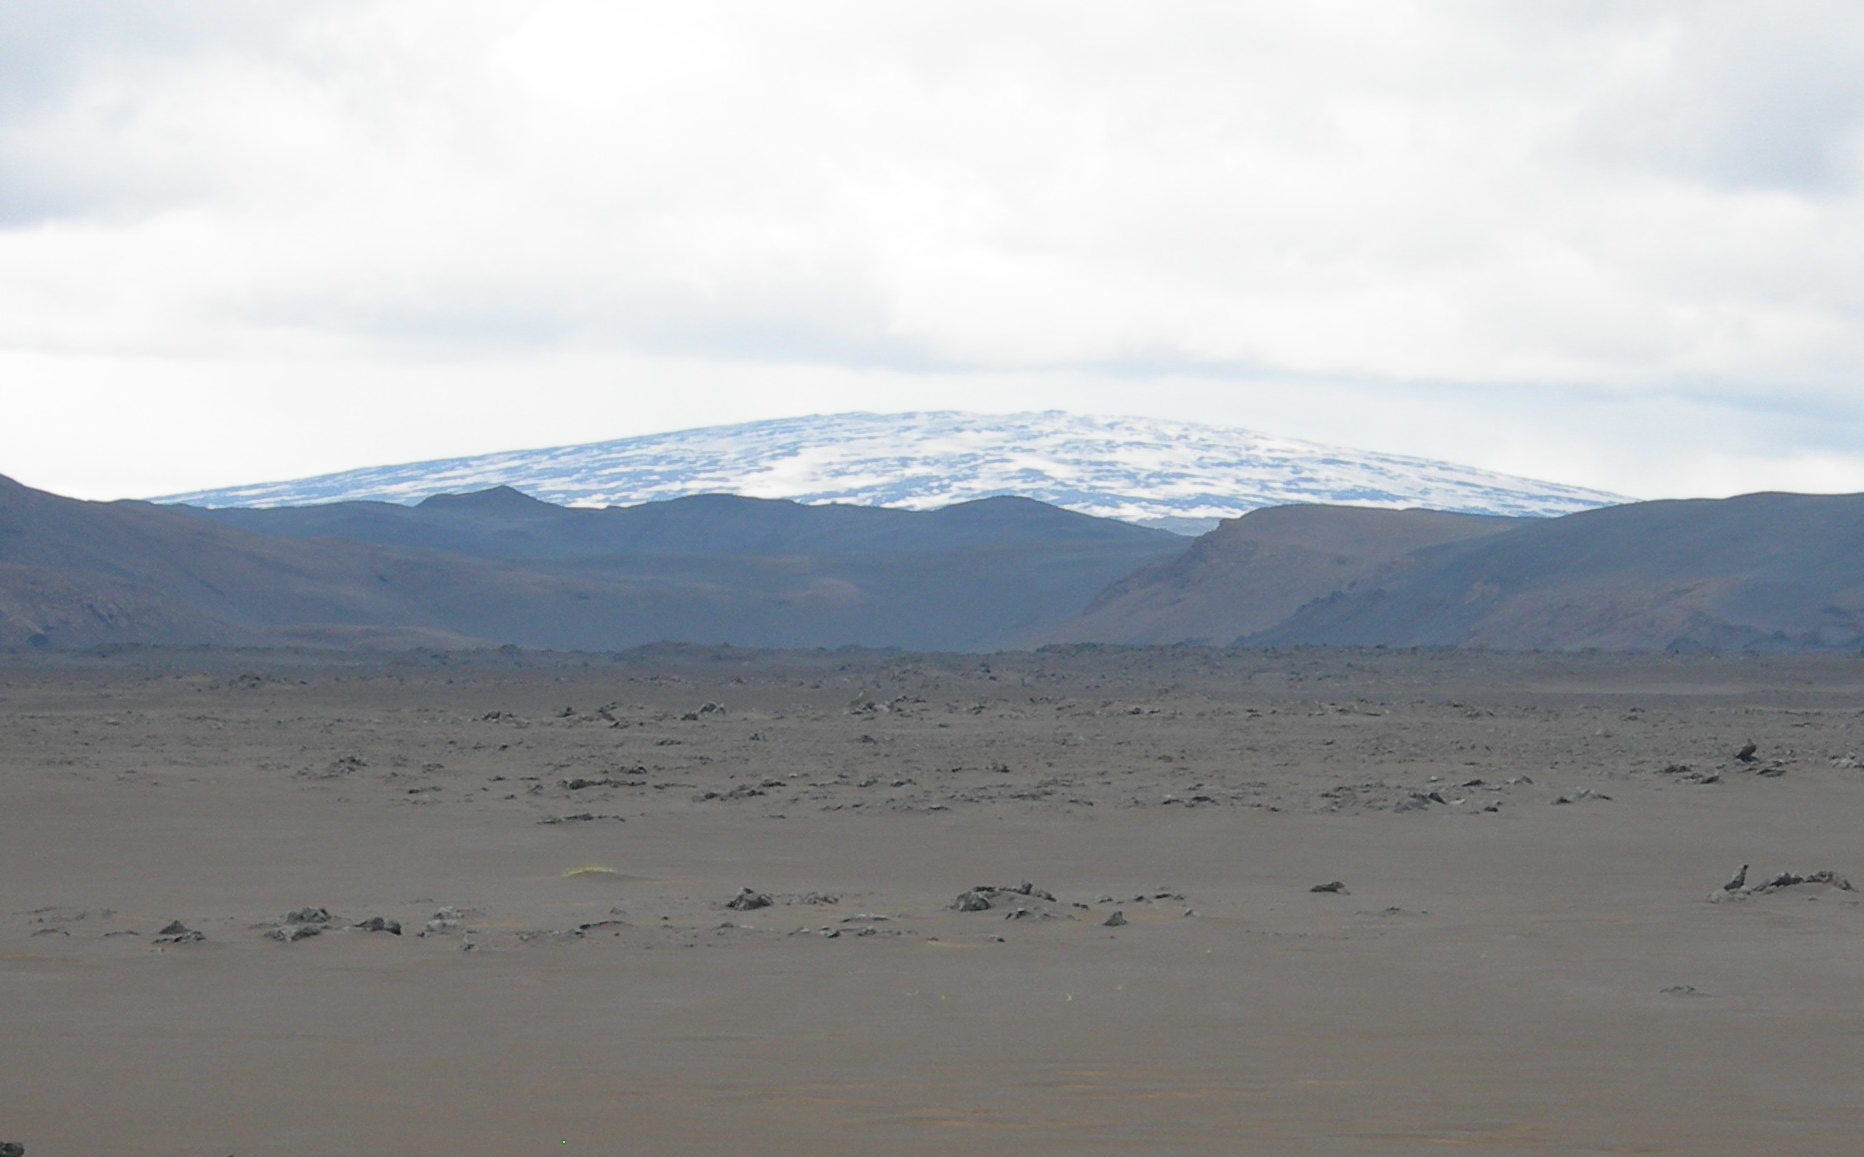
{"x":1612,"y":244}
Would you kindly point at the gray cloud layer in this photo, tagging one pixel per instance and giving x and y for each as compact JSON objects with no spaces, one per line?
{"x":1449,"y":228}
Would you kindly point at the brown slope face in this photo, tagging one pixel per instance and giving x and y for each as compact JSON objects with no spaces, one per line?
{"x":1255,"y":571}
{"x":77,"y":573}
{"x":40,"y":607}
{"x":1756,"y":572}
{"x":979,"y":576}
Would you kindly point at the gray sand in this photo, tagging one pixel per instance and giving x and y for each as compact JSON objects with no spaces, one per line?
{"x":1500,"y":972}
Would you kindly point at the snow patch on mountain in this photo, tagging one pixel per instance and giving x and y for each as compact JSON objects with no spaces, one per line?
{"x":1180,"y":475}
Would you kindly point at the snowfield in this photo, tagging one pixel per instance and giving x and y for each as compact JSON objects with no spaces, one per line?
{"x":1180,"y":475}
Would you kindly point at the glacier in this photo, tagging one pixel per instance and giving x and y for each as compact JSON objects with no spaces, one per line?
{"x":1182,"y":476}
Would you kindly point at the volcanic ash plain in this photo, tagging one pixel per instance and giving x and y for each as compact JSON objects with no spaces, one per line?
{"x":1077,"y":901}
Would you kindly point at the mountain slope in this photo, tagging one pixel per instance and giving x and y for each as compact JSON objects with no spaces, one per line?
{"x":503,"y":523}
{"x":1253,"y":572}
{"x":705,"y":570}
{"x":1177,"y":474}
{"x":1761,"y":571}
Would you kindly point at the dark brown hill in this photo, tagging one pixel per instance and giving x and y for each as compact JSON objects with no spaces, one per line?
{"x":1255,"y":571}
{"x":504,"y":523}
{"x":499,"y":567}
{"x":1761,"y":571}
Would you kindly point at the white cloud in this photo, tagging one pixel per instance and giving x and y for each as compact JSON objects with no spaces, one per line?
{"x":1451,"y":228}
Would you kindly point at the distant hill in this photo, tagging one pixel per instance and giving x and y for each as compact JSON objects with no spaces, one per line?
{"x":497,"y":567}
{"x":1762,"y":571}
{"x":1180,"y":475}
{"x":1253,"y":572}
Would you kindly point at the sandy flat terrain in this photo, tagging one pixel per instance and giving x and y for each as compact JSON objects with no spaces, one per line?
{"x":1531,"y":951}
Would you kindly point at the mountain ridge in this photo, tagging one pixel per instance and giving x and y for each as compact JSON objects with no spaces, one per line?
{"x":499,"y":568}
{"x":1180,"y":475}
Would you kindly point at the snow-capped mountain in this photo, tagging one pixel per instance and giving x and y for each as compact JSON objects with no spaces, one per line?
{"x":1180,"y":475}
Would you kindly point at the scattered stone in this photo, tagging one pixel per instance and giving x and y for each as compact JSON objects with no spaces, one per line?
{"x":172,"y":928}
{"x":291,"y":933}
{"x":1739,"y":881}
{"x":748,"y":900}
{"x":1336,"y":887}
{"x":12,"y":1149}
{"x":378,"y":924}
{"x":317,"y":916}
{"x":1117,"y":920}
{"x":1824,"y":876}
{"x":972,"y":901}
{"x":580,"y":818}
{"x":1746,"y":754}
{"x":551,"y":936}
{"x":819,"y":898}
{"x":1680,"y":990}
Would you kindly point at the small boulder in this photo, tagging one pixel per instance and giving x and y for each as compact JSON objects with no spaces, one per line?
{"x":748,"y":900}
{"x":378,"y":924}
{"x":1117,"y":920}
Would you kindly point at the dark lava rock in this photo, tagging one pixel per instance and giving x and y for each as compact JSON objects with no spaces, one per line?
{"x":175,"y":932}
{"x":1024,"y":901}
{"x":12,"y":1149}
{"x":747,"y":900}
{"x":378,"y":924}
{"x":1335,"y":887}
{"x":1117,"y":920}
{"x":1824,"y":876}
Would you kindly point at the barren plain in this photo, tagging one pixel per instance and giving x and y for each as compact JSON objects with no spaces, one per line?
{"x":1076,"y":901}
